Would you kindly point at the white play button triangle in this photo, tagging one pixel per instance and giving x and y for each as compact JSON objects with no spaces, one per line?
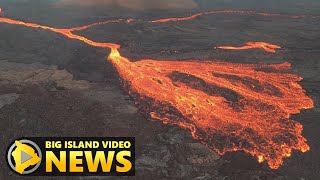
{"x":25,"y":157}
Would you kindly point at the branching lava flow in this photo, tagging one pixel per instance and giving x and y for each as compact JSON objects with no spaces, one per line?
{"x":227,"y":106}
{"x":252,"y":45}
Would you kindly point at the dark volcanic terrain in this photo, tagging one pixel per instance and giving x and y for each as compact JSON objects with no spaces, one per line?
{"x":54,"y":86}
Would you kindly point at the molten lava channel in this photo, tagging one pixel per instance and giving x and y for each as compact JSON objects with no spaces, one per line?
{"x":227,"y":106}
{"x":238,"y":12}
{"x":253,"y":45}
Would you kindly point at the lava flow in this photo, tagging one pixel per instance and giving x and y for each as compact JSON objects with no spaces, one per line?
{"x":227,"y":106}
{"x":238,"y":12}
{"x":252,"y":45}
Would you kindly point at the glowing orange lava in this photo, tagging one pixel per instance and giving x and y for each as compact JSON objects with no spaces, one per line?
{"x":252,"y":45}
{"x":238,"y":12}
{"x":227,"y":106}
{"x":177,"y":19}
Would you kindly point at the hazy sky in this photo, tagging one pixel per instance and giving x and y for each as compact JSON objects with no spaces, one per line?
{"x":134,"y":4}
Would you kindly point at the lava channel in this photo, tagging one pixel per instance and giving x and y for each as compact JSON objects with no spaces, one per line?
{"x":238,"y":12}
{"x":253,"y":45}
{"x":227,"y":106}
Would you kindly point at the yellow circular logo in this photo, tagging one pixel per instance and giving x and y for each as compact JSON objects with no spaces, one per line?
{"x":24,"y":156}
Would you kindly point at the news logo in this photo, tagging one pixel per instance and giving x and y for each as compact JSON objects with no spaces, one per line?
{"x":112,"y":156}
{"x":24,"y":156}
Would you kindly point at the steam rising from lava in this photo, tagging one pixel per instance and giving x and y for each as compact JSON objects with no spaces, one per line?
{"x":227,"y":106}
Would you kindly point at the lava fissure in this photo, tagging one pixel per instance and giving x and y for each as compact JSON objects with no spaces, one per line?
{"x":227,"y":106}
